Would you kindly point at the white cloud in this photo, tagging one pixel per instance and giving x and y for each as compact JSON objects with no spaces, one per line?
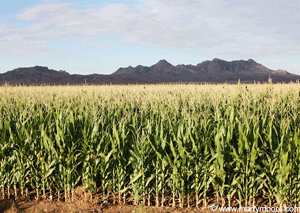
{"x":29,"y":49}
{"x":204,"y":24}
{"x":244,"y":10}
{"x":44,"y":11}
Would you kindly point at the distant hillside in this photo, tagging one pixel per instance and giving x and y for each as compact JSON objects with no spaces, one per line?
{"x":215,"y":71}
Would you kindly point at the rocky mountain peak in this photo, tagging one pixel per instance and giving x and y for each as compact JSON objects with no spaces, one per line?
{"x":163,"y":63}
{"x":217,"y":60}
{"x":251,"y":61}
{"x":216,"y":70}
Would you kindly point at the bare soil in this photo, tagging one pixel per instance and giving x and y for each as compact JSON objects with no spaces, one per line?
{"x":45,"y":206}
{"x":81,"y":203}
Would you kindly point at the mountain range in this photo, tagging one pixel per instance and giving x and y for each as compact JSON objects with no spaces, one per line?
{"x":215,"y":71}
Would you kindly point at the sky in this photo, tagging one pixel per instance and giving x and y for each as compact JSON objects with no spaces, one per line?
{"x":100,"y":36}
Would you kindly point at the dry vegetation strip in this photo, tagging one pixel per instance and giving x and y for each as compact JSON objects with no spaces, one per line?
{"x":163,"y":145}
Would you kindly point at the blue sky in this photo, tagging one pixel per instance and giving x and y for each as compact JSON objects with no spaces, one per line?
{"x":93,"y":36}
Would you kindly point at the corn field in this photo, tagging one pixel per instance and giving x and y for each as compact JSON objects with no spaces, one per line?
{"x":162,"y":145}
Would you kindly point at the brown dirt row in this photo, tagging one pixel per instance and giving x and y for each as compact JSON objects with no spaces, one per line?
{"x":46,"y":206}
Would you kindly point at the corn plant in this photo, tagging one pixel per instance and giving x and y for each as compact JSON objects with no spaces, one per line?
{"x":167,"y":145}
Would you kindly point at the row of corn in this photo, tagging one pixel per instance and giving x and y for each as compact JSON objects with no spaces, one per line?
{"x":180,"y":145}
